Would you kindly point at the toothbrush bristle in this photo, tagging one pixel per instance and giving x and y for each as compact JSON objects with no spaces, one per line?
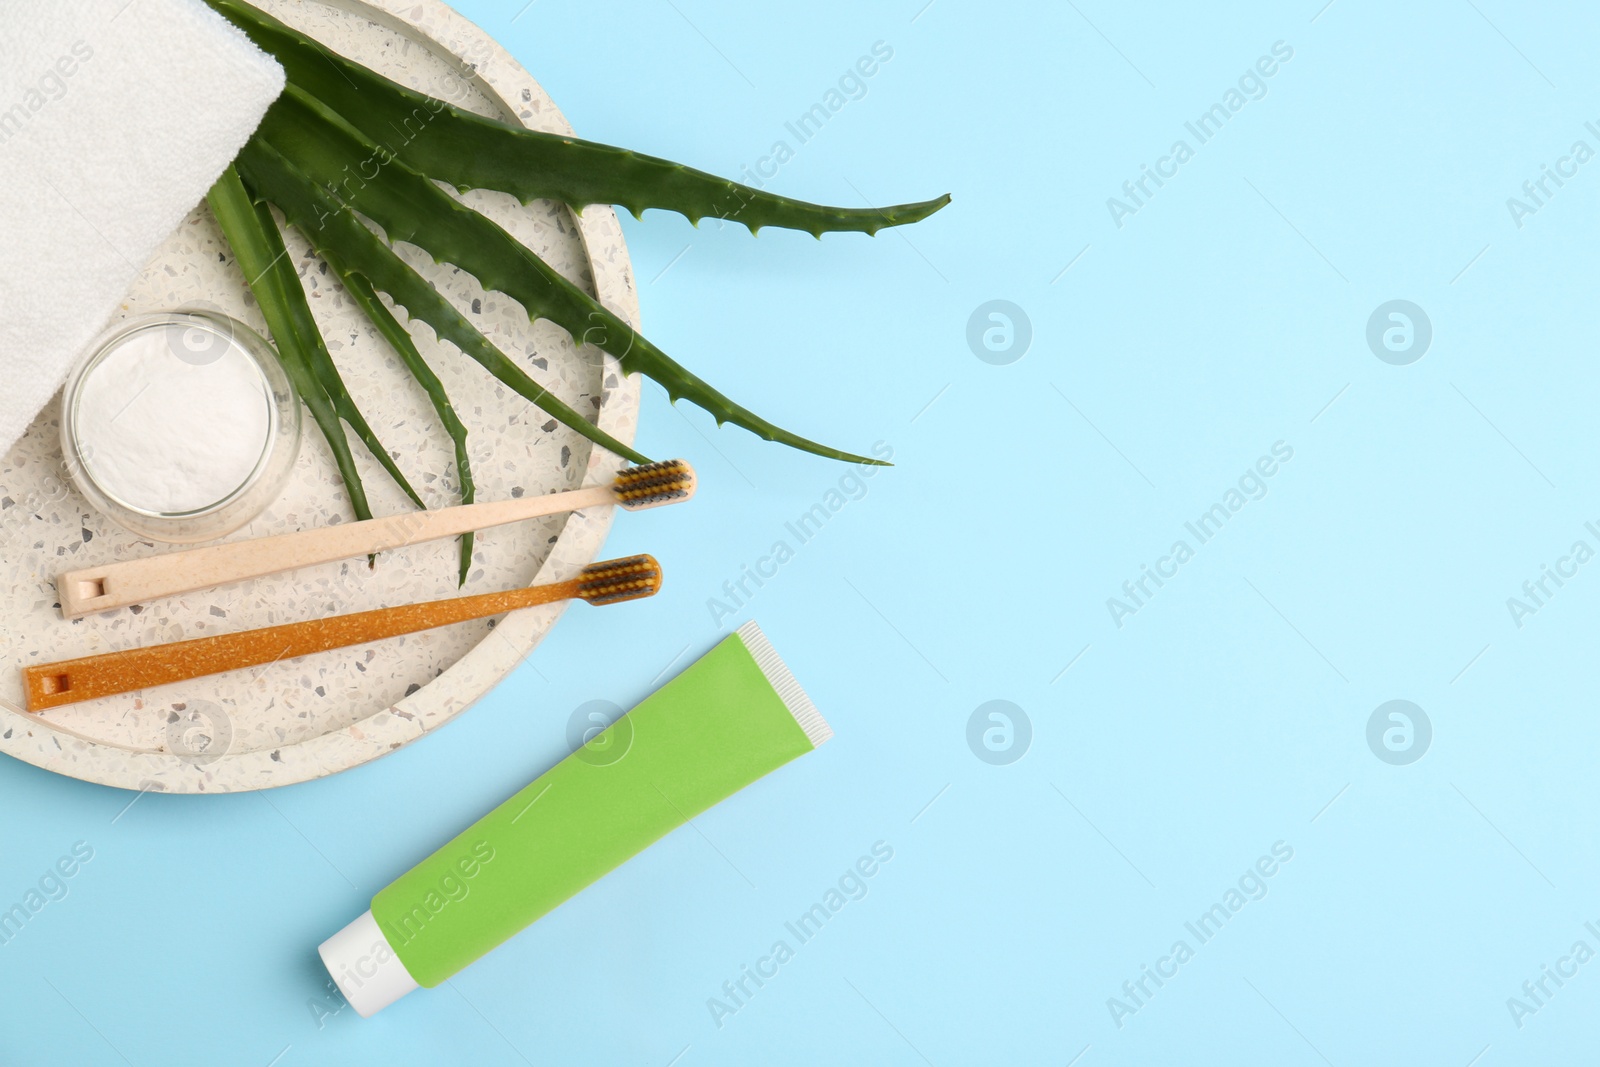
{"x":618,"y":580}
{"x":655,"y":484}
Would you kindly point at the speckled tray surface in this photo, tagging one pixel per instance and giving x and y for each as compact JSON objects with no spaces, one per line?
{"x":315,"y":716}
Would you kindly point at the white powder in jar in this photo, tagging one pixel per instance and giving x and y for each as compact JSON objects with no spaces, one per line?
{"x":174,"y":420}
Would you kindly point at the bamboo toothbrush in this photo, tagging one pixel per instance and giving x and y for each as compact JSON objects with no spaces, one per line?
{"x":53,"y":685}
{"x":117,"y":585}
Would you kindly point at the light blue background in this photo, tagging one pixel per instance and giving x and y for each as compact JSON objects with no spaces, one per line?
{"x":1229,"y":714}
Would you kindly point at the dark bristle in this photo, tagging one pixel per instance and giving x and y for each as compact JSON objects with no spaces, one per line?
{"x":618,"y":580}
{"x":655,"y":484}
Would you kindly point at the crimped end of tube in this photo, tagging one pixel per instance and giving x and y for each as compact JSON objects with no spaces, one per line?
{"x":783,"y":681}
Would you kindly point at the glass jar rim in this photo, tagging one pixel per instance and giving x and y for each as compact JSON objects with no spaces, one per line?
{"x":220,"y":517}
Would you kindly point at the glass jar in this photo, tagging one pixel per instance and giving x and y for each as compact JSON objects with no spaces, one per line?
{"x":180,"y":427}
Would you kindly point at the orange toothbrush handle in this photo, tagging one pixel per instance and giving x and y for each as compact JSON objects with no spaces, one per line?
{"x":53,"y":685}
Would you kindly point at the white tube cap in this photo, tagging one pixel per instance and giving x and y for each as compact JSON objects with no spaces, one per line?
{"x":365,"y":968}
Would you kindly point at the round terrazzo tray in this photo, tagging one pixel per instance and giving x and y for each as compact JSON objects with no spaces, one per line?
{"x":315,"y":716}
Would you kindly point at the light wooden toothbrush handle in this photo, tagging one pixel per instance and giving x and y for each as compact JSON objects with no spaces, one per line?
{"x":70,"y":681}
{"x":137,"y":581}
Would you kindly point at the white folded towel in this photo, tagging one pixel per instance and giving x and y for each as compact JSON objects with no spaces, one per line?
{"x":116,"y":116}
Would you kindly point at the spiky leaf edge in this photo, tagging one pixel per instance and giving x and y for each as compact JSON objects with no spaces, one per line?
{"x":410,"y":207}
{"x":468,"y":151}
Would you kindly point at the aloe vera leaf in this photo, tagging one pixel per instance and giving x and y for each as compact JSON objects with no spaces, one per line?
{"x":253,"y":234}
{"x":366,"y":298}
{"x":329,"y":224}
{"x":327,"y":373}
{"x":345,"y":405}
{"x":333,"y":228}
{"x":468,"y":151}
{"x":292,"y":313}
{"x":412,"y":208}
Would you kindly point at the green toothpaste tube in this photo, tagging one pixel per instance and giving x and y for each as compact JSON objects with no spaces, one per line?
{"x":732,"y":717}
